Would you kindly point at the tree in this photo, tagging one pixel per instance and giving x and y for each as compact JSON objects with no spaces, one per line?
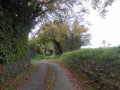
{"x":61,"y":36}
{"x":104,"y":43}
{"x":53,"y":32}
{"x":77,"y":37}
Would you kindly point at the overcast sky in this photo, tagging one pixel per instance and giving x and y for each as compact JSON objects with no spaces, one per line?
{"x":106,"y":29}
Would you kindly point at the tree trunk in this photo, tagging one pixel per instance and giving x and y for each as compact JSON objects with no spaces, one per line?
{"x":58,"y":48}
{"x":45,"y":50}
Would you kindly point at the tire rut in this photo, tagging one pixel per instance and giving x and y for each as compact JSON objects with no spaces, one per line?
{"x":37,"y":80}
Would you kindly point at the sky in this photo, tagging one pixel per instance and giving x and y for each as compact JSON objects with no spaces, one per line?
{"x":107,"y":29}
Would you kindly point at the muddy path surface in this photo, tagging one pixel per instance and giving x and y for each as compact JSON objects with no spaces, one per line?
{"x":37,"y":80}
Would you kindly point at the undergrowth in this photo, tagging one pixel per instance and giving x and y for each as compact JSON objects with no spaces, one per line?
{"x":14,"y":81}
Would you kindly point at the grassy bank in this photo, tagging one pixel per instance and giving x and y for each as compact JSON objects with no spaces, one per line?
{"x":42,"y":57}
{"x":100,"y":68}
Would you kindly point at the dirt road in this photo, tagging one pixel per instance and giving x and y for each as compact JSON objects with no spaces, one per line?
{"x":37,"y":80}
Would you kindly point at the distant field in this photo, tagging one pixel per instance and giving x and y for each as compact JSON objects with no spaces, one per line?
{"x":99,"y":67}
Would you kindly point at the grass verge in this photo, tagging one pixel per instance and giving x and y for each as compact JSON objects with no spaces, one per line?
{"x":50,"y":80}
{"x":16,"y":80}
{"x":39,"y":57}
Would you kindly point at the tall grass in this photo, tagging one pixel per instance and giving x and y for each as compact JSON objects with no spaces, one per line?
{"x":101,"y":66}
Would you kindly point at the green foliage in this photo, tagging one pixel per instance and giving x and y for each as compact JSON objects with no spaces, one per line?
{"x":14,"y":29}
{"x":59,"y":34}
{"x":53,"y":32}
{"x":20,"y":49}
{"x":17,"y":17}
{"x":33,"y":44}
{"x":13,"y":41}
{"x":42,"y":57}
{"x":101,"y":66}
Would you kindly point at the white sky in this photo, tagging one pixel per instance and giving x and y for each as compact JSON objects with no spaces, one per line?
{"x":107,"y":29}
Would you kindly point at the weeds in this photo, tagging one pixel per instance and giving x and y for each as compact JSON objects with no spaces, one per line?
{"x":50,"y":80}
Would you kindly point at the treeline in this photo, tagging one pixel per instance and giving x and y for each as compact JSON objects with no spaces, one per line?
{"x":57,"y":37}
{"x":100,"y":66}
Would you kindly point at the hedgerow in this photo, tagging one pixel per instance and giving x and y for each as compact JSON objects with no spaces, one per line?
{"x":13,"y":41}
{"x":14,"y":52}
{"x":101,"y":66}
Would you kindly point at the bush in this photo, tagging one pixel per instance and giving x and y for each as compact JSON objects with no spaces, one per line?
{"x":101,"y":66}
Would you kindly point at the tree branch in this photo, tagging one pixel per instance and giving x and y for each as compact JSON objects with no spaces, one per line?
{"x":46,"y":2}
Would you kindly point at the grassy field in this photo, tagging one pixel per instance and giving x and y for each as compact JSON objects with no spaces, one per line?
{"x":99,"y":68}
{"x":42,"y":57}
